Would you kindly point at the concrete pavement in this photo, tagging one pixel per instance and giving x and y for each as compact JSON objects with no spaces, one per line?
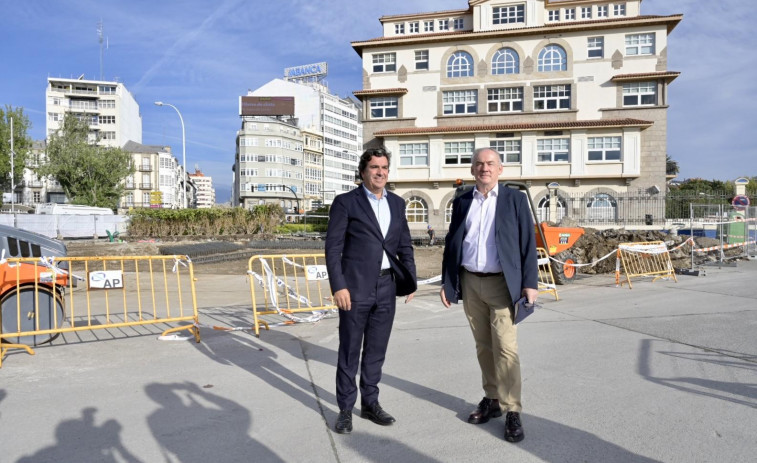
{"x":662,"y":372}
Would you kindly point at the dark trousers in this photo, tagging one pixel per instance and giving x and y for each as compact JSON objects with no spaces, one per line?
{"x":367,"y":324}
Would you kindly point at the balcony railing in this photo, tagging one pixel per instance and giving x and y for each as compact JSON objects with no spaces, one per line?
{"x":145,"y":186}
{"x":145,"y":168}
{"x":130,"y":186}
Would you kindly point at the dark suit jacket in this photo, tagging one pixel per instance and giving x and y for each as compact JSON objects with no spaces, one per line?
{"x":354,"y":248}
{"x":514,"y":235}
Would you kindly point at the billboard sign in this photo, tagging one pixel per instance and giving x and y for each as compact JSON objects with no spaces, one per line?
{"x":266,"y":105}
{"x":307,"y":70}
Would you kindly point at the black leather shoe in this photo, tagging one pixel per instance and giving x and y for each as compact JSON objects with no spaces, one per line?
{"x":375,"y":413}
{"x":487,"y":408}
{"x":513,"y":427}
{"x":344,"y":422}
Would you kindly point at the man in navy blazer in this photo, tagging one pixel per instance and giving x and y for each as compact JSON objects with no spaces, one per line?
{"x":490,"y":261}
{"x":367,"y":234}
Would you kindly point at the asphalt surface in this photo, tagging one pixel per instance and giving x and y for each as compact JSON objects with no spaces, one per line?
{"x":663,"y":372}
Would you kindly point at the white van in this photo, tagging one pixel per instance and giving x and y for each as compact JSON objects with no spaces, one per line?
{"x":71,"y":209}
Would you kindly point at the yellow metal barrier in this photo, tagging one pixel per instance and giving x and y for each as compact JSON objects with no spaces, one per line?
{"x":644,"y":259}
{"x":546,"y":277}
{"x":42,"y":298}
{"x":284,"y":285}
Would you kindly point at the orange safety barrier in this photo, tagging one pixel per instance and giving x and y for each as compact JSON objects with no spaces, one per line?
{"x":644,"y":259}
{"x":41,"y":298}
{"x":546,"y":277}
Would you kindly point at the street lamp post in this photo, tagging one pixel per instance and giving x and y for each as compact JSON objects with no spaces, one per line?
{"x":183,"y":152}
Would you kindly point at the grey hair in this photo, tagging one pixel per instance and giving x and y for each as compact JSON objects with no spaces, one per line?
{"x":477,"y":151}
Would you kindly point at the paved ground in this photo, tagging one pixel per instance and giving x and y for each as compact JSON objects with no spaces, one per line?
{"x":662,"y":372}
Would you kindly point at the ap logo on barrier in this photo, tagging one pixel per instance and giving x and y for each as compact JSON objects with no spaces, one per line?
{"x":106,"y":279}
{"x":316,"y":272}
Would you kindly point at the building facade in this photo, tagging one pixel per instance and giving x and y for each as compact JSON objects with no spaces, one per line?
{"x":337,"y":118}
{"x":109,"y":108}
{"x":268,"y":168}
{"x":572,"y":93}
{"x":156,"y":181}
{"x":206,"y":194}
{"x":313,"y":160}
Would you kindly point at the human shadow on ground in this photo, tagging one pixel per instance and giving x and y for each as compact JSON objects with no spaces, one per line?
{"x":738,"y":393}
{"x":80,"y":439}
{"x":194,"y":425}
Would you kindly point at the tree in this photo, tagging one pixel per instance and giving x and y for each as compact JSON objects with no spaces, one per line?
{"x":671,"y":166}
{"x":91,"y":175}
{"x":21,"y":145}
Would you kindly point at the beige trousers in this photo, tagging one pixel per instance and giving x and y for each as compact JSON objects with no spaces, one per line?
{"x":487,"y":305}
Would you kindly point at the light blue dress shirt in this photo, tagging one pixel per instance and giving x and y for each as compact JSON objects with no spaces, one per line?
{"x":380,"y":207}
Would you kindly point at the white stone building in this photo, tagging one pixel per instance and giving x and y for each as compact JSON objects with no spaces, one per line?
{"x":572,"y":93}
{"x":156,"y":182}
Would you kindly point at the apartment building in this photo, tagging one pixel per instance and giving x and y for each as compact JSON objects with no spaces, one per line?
{"x":313,"y":158}
{"x":206,"y":194}
{"x":337,"y":118}
{"x":572,"y":93}
{"x":268,"y":168}
{"x":156,"y":182}
{"x":109,"y":108}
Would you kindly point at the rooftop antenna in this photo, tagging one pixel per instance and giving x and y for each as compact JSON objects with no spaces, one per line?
{"x":100,"y":30}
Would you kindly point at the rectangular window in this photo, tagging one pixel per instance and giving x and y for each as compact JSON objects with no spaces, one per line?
{"x":554,"y":15}
{"x":603,"y":11}
{"x":640,"y":44}
{"x":640,"y":94}
{"x":570,"y":13}
{"x":421,"y":59}
{"x":383,"y":108}
{"x":512,"y":14}
{"x":108,"y":135}
{"x":619,"y":9}
{"x":459,"y":152}
{"x":604,"y":148}
{"x":107,"y":119}
{"x":443,"y":25}
{"x":505,"y":100}
{"x":104,"y":104}
{"x":585,"y":12}
{"x":37,"y":197}
{"x":414,"y":154}
{"x":549,"y":97}
{"x":460,"y":102}
{"x":458,"y":23}
{"x":414,"y":27}
{"x":385,"y":62}
{"x":508,"y":149}
{"x":553,"y":149}
{"x":399,"y":28}
{"x":428,"y":26}
{"x":596,"y":47}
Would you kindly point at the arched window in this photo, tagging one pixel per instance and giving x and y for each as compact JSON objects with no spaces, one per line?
{"x":552,"y":58}
{"x":542,"y":210}
{"x":460,"y":64}
{"x":601,"y":208}
{"x":416,"y":210}
{"x":505,"y":61}
{"x":448,"y":212}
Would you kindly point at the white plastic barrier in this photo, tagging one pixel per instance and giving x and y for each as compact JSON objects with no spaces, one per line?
{"x":68,"y":226}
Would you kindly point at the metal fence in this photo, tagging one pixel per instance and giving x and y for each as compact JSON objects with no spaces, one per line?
{"x":631,"y":209}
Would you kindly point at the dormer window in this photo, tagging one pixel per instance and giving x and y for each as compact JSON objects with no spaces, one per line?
{"x":428,"y":26}
{"x":414,"y":27}
{"x":585,"y":12}
{"x":443,"y":24}
{"x":603,"y":11}
{"x":553,"y":15}
{"x":511,"y":14}
{"x":570,"y":14}
{"x":458,"y":23}
{"x":399,"y":28}
{"x":619,"y":9}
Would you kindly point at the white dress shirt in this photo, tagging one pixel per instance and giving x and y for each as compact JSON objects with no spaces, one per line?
{"x":479,"y":247}
{"x":380,"y":207}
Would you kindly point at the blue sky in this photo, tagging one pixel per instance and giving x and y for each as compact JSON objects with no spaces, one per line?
{"x":202,"y":55}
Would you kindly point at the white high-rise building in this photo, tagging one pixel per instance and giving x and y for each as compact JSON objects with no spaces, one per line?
{"x":338,"y":119}
{"x":111,"y":111}
{"x":206,"y":194}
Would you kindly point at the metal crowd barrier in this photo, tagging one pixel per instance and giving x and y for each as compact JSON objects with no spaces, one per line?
{"x":282,"y":286}
{"x":41,"y":298}
{"x":642,"y":260}
{"x":546,"y":277}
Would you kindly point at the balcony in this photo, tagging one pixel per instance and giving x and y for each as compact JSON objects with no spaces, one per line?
{"x":32,"y":183}
{"x":145,"y":186}
{"x":145,"y":168}
{"x":129,"y":186}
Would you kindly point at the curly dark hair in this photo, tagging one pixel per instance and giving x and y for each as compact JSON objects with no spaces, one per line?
{"x":365,"y":158}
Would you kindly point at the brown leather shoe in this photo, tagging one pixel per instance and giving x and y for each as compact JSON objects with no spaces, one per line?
{"x":487,"y":408}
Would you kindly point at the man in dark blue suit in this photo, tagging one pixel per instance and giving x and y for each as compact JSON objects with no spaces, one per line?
{"x":490,"y":261}
{"x":367,"y":242}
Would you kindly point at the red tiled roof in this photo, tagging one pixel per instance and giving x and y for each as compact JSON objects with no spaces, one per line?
{"x":673,"y":20}
{"x":669,"y":75}
{"x":514,"y":127}
{"x":380,"y":91}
